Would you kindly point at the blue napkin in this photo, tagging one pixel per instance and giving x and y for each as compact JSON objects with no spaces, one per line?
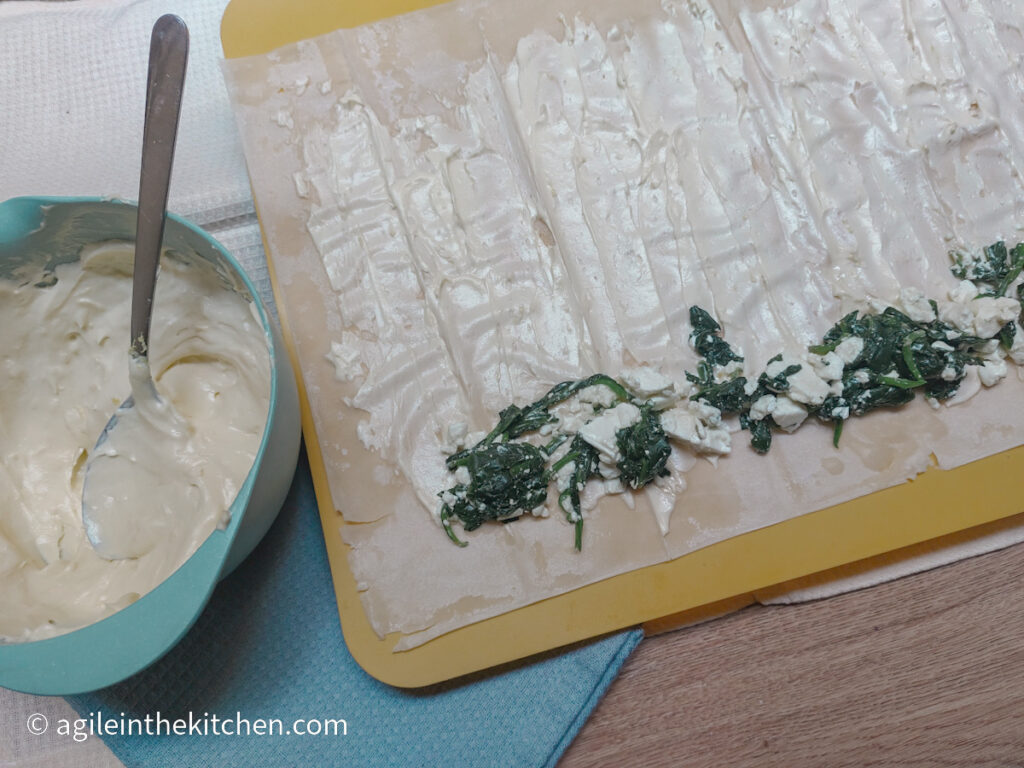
{"x":269,"y":646}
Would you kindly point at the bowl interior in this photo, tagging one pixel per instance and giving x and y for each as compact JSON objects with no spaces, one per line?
{"x":37,"y":234}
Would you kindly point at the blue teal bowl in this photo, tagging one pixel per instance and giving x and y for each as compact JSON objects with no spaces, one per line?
{"x":43,"y":232}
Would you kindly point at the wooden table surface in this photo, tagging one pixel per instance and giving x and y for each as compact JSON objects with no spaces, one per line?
{"x":926,"y":670}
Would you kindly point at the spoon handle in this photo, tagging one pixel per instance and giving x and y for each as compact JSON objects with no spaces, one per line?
{"x":168,"y":54}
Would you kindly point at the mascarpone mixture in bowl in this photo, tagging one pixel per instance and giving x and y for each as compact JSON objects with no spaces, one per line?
{"x":64,"y":355}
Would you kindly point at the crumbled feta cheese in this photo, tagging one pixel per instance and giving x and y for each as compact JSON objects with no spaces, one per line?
{"x":989,"y":348}
{"x":970,"y":260}
{"x":462,"y":475}
{"x":718,"y":442}
{"x":841,"y":412}
{"x":788,"y":414}
{"x":861,"y":376}
{"x":682,"y":424}
{"x":942,"y":346}
{"x":992,"y":372}
{"x":964,"y":292}
{"x":600,"y":432}
{"x":806,"y":387}
{"x":689,"y":425}
{"x":646,"y":382}
{"x":849,"y":349}
{"x":573,"y":414}
{"x":916,"y":306}
{"x":876,"y":305}
{"x":655,"y":387}
{"x":959,"y":316}
{"x":948,"y":373}
{"x":762,"y":407}
{"x":981,"y":316}
{"x":454,"y":437}
{"x":597,"y":394}
{"x":1016,"y":350}
{"x":706,"y":412}
{"x":474,"y":437}
{"x":992,"y":313}
{"x":682,"y":389}
{"x":828,"y":366}
{"x":613,"y":486}
{"x":571,"y":420}
{"x":563,"y":477}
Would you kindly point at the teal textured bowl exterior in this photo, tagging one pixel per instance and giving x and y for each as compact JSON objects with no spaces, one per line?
{"x":45,"y":231}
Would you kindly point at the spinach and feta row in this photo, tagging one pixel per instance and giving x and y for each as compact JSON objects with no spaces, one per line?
{"x":620,"y":431}
{"x":872,"y":360}
{"x":501,"y":479}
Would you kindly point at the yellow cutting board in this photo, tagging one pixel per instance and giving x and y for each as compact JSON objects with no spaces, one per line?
{"x":957,"y":505}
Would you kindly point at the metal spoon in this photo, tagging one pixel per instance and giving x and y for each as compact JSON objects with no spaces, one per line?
{"x":168,"y":56}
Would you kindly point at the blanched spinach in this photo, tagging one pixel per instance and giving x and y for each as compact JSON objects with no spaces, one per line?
{"x":644,"y":449}
{"x":586,"y":460}
{"x":760,"y":431}
{"x":995,"y":268}
{"x":506,"y":480}
{"x":707,"y":339}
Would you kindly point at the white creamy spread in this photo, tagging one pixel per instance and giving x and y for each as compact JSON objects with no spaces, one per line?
{"x":556,"y":213}
{"x":170,"y":479}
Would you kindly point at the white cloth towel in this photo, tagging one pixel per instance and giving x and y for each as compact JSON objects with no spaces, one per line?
{"x":73,"y":84}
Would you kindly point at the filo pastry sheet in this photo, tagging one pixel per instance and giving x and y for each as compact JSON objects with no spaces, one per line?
{"x":468,"y":204}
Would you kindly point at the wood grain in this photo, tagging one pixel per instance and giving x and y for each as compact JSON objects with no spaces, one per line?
{"x":923,"y":671}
